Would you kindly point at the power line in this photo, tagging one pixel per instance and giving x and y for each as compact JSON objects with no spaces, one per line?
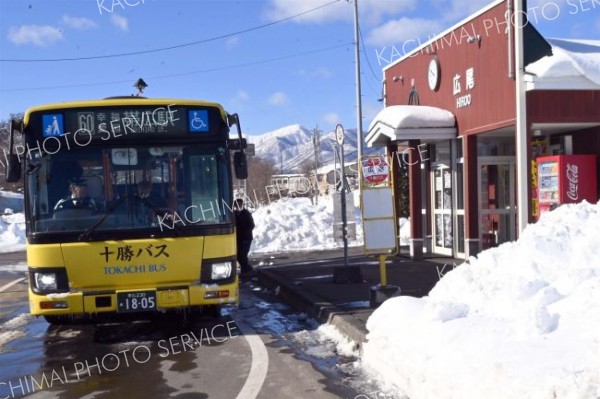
{"x":362,"y":41}
{"x":183,"y":73}
{"x":95,"y":57}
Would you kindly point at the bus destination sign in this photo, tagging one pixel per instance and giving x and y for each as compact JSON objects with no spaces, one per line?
{"x":113,"y":122}
{"x":109,"y":123}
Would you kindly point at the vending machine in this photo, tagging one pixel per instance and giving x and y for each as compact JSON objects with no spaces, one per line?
{"x":564,"y":179}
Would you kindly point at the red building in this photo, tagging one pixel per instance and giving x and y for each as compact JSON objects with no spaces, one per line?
{"x":470,"y":111}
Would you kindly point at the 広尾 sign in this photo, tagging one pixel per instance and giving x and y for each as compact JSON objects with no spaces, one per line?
{"x":375,"y":170}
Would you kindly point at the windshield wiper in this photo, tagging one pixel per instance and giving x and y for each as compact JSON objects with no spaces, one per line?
{"x":87,"y":233}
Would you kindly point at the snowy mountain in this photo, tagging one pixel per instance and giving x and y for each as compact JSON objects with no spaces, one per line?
{"x":291,"y":146}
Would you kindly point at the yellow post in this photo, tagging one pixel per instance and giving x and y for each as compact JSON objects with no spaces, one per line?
{"x":382,"y":270}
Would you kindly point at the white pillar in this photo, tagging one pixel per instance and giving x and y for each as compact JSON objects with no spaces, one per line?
{"x":521,"y":124}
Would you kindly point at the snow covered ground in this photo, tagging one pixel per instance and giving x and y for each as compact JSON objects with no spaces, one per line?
{"x":12,"y":225}
{"x":294,"y":224}
{"x":519,"y":321}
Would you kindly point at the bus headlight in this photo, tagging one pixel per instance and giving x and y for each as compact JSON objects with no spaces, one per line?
{"x":221,"y":270}
{"x":48,"y":280}
{"x":45,"y":281}
{"x":218,"y":271}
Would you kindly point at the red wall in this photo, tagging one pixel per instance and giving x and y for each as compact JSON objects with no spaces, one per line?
{"x":564,"y":106}
{"x":493,"y":95}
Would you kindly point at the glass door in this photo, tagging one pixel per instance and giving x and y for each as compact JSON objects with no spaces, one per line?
{"x":459,"y":199}
{"x":497,"y":201}
{"x":442,"y":209}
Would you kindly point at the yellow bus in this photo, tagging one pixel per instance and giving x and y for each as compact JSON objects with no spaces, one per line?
{"x":128,"y":206}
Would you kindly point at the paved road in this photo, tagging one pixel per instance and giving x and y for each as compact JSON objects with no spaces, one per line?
{"x":261,"y":349}
{"x":12,"y":257}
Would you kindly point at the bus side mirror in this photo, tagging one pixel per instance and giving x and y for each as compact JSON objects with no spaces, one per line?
{"x":12,"y":174}
{"x":13,"y":169}
{"x":240,"y":165}
{"x":233,"y":119}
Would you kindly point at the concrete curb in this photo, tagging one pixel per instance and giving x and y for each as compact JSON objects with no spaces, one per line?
{"x":314,"y":306}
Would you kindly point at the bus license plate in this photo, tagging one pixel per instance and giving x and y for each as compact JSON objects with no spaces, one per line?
{"x":136,"y":301}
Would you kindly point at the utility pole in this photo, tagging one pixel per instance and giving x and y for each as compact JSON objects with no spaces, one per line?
{"x":280,"y":156}
{"x":359,"y":137}
{"x":317,"y":148}
{"x":339,"y":135}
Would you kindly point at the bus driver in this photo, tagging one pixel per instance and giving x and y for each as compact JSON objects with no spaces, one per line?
{"x":77,"y":199}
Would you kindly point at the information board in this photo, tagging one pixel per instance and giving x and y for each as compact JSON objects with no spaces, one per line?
{"x":379,"y":221}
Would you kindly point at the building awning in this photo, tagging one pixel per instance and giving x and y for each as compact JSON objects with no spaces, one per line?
{"x":573,"y":65}
{"x":410,"y":122}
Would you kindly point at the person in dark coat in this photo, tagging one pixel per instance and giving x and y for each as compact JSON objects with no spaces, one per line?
{"x":244,"y":224}
{"x":77,"y":199}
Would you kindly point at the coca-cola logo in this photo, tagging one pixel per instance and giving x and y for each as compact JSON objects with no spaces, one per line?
{"x":573,"y":179}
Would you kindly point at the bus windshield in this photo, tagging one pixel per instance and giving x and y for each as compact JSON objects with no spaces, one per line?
{"x":134,"y":187}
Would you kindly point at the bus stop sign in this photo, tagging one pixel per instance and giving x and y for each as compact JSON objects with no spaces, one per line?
{"x":339,"y":134}
{"x":375,"y":170}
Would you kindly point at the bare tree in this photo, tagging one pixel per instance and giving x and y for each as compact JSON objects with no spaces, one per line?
{"x":309,"y":169}
{"x":260,"y":172}
{"x":4,"y":137}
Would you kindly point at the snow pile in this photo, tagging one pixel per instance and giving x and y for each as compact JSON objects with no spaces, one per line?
{"x":12,"y":232}
{"x":12,"y":225}
{"x":343,"y":345}
{"x":292,"y":224}
{"x":324,"y":342}
{"x":519,"y":321}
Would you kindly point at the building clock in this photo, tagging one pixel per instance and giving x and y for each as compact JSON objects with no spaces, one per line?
{"x":433,"y":74}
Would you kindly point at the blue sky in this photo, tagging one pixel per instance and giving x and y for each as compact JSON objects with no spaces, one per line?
{"x":301,"y":70}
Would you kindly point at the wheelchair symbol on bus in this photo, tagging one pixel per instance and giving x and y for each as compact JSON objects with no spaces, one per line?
{"x":198,"y":121}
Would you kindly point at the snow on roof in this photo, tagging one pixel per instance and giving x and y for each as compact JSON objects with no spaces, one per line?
{"x":414,"y":116}
{"x":403,"y":122}
{"x":575,"y":64}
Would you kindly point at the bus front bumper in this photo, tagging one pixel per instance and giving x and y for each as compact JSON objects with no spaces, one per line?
{"x":134,"y":300}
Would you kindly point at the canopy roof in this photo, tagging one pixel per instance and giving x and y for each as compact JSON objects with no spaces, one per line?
{"x":410,"y":122}
{"x":574,"y":64}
